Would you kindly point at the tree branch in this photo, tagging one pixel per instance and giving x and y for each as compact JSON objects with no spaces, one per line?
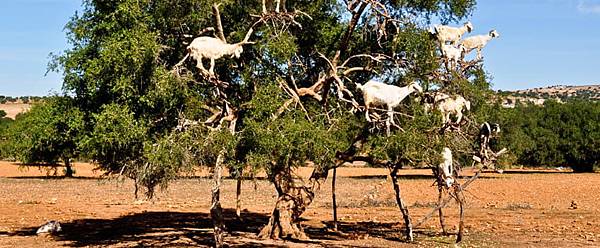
{"x":217,"y":20}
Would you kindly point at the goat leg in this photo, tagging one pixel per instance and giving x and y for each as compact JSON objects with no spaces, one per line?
{"x":212,"y":67}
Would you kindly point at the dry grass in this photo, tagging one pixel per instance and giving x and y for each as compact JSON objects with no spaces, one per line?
{"x":12,"y":109}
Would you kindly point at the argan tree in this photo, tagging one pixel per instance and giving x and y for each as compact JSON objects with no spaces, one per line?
{"x":290,"y":99}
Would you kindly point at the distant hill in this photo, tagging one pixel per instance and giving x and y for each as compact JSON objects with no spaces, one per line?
{"x":562,"y":92}
{"x":559,"y":93}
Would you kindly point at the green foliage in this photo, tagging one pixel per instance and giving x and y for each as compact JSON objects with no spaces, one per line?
{"x":552,"y":135}
{"x":5,"y":124}
{"x":292,"y":139}
{"x":116,"y":140}
{"x":119,"y":73}
{"x":47,"y":133}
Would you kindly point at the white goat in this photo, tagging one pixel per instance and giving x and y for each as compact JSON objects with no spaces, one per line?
{"x":478,"y":42}
{"x":446,"y":167}
{"x":452,"y":54}
{"x":448,"y":105}
{"x":452,"y":34}
{"x":432,"y":98}
{"x":379,"y":94}
{"x":214,"y":48}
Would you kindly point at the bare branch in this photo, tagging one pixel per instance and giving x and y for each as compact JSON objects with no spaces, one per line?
{"x":181,"y":62}
{"x":378,"y":58}
{"x":247,"y":37}
{"x":294,"y":96}
{"x":217,"y":19}
{"x":281,"y":109}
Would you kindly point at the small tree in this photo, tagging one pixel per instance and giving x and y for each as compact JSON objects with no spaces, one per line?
{"x":49,"y":132}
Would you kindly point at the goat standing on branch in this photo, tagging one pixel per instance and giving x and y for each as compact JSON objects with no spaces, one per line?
{"x":478,"y":42}
{"x":380,"y":94}
{"x":453,"y":34}
{"x":448,"y":105}
{"x":214,"y":48}
{"x":452,"y":54}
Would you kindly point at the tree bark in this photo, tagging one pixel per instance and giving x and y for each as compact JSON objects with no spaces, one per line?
{"x":401,"y":204}
{"x":68,"y":168}
{"x":217,"y":20}
{"x":333,"y":201}
{"x":238,"y":200}
{"x":461,"y":202}
{"x":216,"y":212}
{"x":440,"y":185}
{"x":294,"y":197}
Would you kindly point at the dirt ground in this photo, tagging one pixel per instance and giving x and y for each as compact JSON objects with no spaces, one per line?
{"x":516,"y":209}
{"x":12,"y":109}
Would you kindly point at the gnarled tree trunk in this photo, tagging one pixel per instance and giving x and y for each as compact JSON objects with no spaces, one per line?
{"x":294,"y":197}
{"x":68,"y":167}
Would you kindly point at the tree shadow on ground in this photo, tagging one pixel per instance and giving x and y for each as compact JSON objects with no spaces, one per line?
{"x":50,"y":177}
{"x":156,"y":229}
{"x":526,"y":172}
{"x":360,"y":230}
{"x":416,"y":177}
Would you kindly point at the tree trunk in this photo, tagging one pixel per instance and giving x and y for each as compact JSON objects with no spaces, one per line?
{"x":401,"y":204}
{"x":461,"y":202}
{"x":333,"y":201}
{"x":294,"y":197}
{"x":238,"y":200}
{"x":216,"y":213}
{"x":68,"y":168}
{"x":440,"y":185}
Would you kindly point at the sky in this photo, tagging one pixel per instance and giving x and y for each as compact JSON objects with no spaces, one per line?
{"x":541,"y":43}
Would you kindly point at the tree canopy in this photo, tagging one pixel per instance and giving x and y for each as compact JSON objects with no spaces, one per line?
{"x":290,"y":98}
{"x":48,"y":133}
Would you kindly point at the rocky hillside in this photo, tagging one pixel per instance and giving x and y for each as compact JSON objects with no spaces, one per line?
{"x":562,"y":92}
{"x":559,"y":93}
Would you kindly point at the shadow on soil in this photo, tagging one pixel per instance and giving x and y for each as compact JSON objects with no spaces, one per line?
{"x":155,"y":229}
{"x":177,"y":229}
{"x":361,"y":230}
{"x":534,"y":172}
{"x":417,"y":177}
{"x":55,"y":177}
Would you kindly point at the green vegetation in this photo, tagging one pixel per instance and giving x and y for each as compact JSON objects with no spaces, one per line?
{"x":127,"y":97}
{"x":556,"y":134}
{"x":23,"y":99}
{"x":49,"y":132}
{"x":5,"y":124}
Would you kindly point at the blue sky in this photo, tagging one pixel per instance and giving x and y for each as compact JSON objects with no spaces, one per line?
{"x":542,"y":42}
